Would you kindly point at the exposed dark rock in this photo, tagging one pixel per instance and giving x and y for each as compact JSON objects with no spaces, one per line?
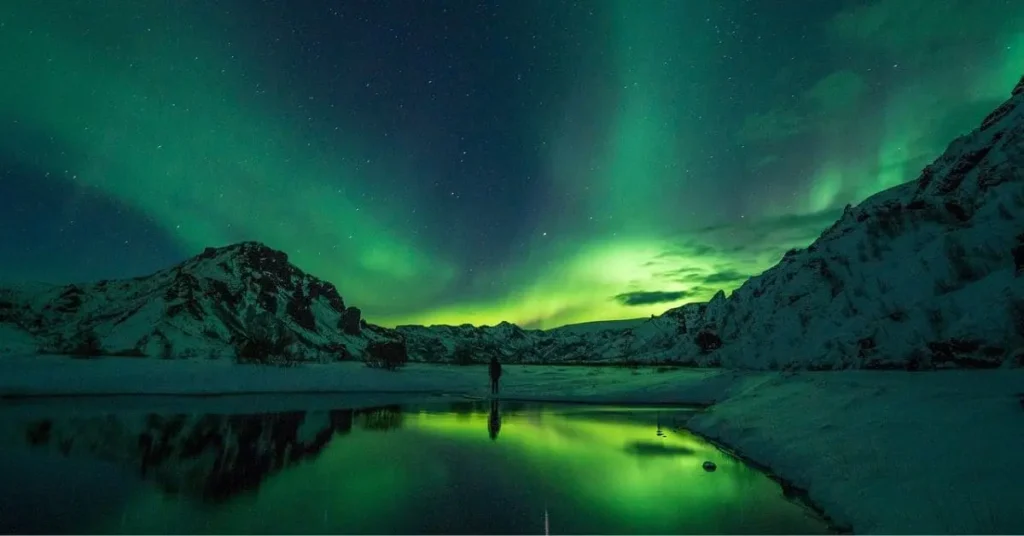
{"x":69,"y":301}
{"x":822,"y":267}
{"x":183,"y":296}
{"x":927,"y":175}
{"x":899,"y":315}
{"x":917,"y":204}
{"x":708,"y":340}
{"x":997,"y":114}
{"x":865,"y":347}
{"x":962,"y":353}
{"x":464,"y":355}
{"x":86,"y":344}
{"x":220,"y":291}
{"x":1018,"y":255}
{"x":208,"y":253}
{"x":960,"y":169}
{"x":327,"y":290}
{"x":991,"y":176}
{"x":956,"y":210}
{"x":351,"y":321}
{"x":264,"y":340}
{"x":340,"y":352}
{"x":299,"y":308}
{"x":915,"y":363}
{"x":387,"y":355}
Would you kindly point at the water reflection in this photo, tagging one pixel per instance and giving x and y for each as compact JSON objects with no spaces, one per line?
{"x":404,"y":470}
{"x":212,"y":457}
{"x":494,"y":420}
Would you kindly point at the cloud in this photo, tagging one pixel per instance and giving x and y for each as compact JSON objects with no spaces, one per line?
{"x":726,"y":255}
{"x":766,"y":230}
{"x":725,"y":276}
{"x":648,"y":297}
{"x":685,"y":273}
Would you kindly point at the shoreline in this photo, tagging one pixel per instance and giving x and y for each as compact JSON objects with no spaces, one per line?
{"x":878,"y":451}
{"x":789,"y":490}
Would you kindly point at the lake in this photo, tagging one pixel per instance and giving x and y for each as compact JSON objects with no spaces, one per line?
{"x":452,"y":466}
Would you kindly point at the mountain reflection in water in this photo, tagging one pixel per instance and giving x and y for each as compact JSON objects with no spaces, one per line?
{"x":465,"y":467}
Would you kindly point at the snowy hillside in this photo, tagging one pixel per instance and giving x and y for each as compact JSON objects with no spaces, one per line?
{"x":928,"y":273}
{"x":223,"y":302}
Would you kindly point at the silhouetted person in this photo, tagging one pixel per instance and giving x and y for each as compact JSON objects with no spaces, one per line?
{"x":494,"y":422}
{"x":495,"y":370}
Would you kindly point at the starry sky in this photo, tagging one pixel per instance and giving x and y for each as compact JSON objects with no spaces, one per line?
{"x":542,"y":162}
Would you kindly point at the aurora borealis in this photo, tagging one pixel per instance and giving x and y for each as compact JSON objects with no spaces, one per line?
{"x":540,"y":161}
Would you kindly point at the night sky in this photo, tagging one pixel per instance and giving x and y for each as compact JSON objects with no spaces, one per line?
{"x":537,"y":161}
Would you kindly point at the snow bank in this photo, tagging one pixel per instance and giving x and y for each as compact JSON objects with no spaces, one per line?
{"x":888,"y":452}
{"x":14,"y":340}
{"x":55,"y":376}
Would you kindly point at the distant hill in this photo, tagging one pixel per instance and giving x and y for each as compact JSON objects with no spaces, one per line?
{"x":584,"y":328}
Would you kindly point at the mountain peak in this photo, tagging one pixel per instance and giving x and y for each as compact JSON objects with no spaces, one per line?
{"x":267,"y":272}
{"x":251,"y":252}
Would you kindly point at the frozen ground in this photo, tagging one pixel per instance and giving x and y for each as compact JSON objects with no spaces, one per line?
{"x":57,"y":375}
{"x":888,"y":452}
{"x":883,"y":452}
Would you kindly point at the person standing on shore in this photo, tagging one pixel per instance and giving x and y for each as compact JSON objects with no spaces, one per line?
{"x":495,"y":372}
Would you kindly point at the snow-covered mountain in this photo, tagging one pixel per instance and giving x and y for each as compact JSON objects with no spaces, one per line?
{"x":468,"y":344}
{"x":925,"y":274}
{"x":243,"y":299}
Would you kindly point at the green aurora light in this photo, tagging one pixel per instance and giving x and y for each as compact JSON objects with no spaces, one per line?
{"x":192,"y":130}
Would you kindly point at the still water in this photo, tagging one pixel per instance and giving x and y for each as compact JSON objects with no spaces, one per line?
{"x":463,"y":467}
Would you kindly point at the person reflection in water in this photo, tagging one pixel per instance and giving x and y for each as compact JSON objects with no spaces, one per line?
{"x":494,"y":422}
{"x":495,"y":371}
